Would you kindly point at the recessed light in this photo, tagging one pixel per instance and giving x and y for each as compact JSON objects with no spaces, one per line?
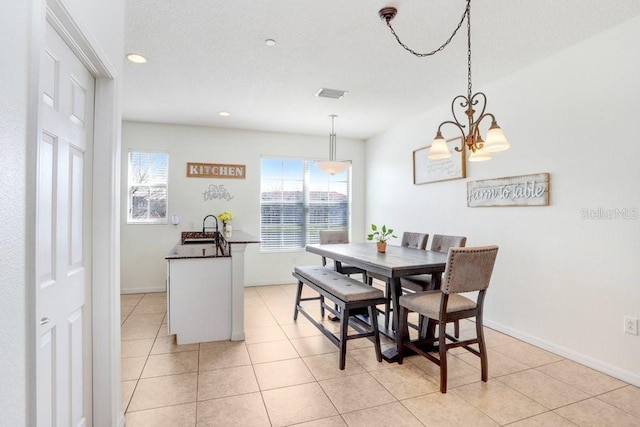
{"x":137,"y":58}
{"x":224,"y":113}
{"x":270,"y":42}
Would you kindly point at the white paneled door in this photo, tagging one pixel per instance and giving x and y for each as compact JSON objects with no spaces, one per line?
{"x":63,"y":241}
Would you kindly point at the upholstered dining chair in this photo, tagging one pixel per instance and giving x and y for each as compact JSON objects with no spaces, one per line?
{"x":329,"y":237}
{"x":467,"y":270}
{"x":414,"y":240}
{"x":422,"y":282}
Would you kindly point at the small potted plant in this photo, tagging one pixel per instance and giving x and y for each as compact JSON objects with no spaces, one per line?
{"x":381,"y":235}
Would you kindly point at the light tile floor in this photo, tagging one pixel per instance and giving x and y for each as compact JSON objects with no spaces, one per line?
{"x":286,"y":373}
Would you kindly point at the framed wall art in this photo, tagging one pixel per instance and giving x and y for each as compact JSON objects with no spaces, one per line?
{"x":426,"y":170}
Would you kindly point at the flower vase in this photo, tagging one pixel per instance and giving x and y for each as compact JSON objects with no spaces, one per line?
{"x":382,"y":247}
{"x":227,"y":229}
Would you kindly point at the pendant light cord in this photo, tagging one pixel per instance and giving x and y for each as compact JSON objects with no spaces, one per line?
{"x":408,"y":49}
{"x":468,"y":13}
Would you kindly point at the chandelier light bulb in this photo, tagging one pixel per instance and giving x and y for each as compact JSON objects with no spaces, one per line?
{"x":439,"y":148}
{"x":496,"y":141}
{"x":480,"y":155}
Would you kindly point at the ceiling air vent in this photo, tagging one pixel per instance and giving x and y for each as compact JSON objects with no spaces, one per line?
{"x":331,"y":93}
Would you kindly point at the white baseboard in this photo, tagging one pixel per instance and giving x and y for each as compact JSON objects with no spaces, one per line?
{"x":142,"y":290}
{"x":596,"y":364}
{"x":247,"y":285}
{"x":163,"y":289}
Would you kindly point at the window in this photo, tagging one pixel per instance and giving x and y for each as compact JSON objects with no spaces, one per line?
{"x":297,"y":200}
{"x":148,"y":177}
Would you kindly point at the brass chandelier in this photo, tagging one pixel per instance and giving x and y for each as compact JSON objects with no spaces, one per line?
{"x":469,"y":127}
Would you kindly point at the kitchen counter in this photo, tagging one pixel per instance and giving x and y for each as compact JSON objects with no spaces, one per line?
{"x":205,"y":286}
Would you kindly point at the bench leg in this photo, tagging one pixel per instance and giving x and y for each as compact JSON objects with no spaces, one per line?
{"x":298,"y":296}
{"x":344,"y":327}
{"x":376,"y":333}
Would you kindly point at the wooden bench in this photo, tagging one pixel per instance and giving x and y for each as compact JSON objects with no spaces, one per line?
{"x":348,"y":294}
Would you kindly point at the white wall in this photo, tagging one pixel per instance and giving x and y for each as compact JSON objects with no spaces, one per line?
{"x":14,"y":63}
{"x":22,"y":26}
{"x":145,"y":246}
{"x":561,"y":281}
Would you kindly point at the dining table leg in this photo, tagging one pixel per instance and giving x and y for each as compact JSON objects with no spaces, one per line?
{"x":391,"y":354}
{"x":396,"y":291}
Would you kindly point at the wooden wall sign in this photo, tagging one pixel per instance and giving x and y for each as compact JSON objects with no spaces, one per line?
{"x":524,"y":190}
{"x":215,"y":170}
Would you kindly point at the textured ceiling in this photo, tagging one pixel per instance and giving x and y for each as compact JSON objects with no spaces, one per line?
{"x":206,"y":56}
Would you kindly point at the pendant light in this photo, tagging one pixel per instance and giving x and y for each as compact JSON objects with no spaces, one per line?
{"x":332,"y":166}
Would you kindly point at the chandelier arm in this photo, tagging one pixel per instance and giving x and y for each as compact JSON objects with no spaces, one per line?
{"x":388,"y":19}
{"x":464,"y":103}
{"x":481,"y":118}
{"x":475,"y":101}
{"x":476,"y":129}
{"x":460,"y":128}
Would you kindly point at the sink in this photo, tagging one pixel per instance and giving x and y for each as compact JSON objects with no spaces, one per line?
{"x":206,"y":241}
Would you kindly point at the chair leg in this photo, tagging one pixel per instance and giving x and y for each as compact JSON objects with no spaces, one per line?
{"x":442,"y":346}
{"x":402,"y":334}
{"x":456,"y":328}
{"x":298,"y":296}
{"x":344,"y":326}
{"x":484,"y":363}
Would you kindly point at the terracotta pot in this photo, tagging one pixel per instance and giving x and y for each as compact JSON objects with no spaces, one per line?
{"x":382,"y":247}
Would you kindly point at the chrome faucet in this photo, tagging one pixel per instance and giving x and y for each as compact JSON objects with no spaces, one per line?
{"x":205,"y":219}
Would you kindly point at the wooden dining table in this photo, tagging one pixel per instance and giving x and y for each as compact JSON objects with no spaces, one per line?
{"x":395,"y":263}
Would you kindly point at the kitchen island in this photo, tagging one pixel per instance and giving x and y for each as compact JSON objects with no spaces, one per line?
{"x":205,"y":287}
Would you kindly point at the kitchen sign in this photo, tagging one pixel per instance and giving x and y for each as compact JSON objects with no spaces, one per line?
{"x":523,"y":190}
{"x":215,"y":170}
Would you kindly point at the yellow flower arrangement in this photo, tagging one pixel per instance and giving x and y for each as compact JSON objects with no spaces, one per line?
{"x":225,"y":217}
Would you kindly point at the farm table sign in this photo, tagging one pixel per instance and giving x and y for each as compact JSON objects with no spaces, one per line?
{"x":523,"y":190}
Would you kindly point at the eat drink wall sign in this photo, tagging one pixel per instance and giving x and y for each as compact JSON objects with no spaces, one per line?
{"x":215,"y":170}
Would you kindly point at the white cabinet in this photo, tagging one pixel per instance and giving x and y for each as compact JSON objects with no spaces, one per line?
{"x":199,"y":299}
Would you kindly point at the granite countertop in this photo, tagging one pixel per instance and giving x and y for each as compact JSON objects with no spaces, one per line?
{"x":208,"y":249}
{"x":239,"y":236}
{"x":199,"y":250}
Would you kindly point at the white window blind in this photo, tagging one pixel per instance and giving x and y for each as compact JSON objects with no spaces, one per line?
{"x":148,"y":179}
{"x":297,"y":200}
